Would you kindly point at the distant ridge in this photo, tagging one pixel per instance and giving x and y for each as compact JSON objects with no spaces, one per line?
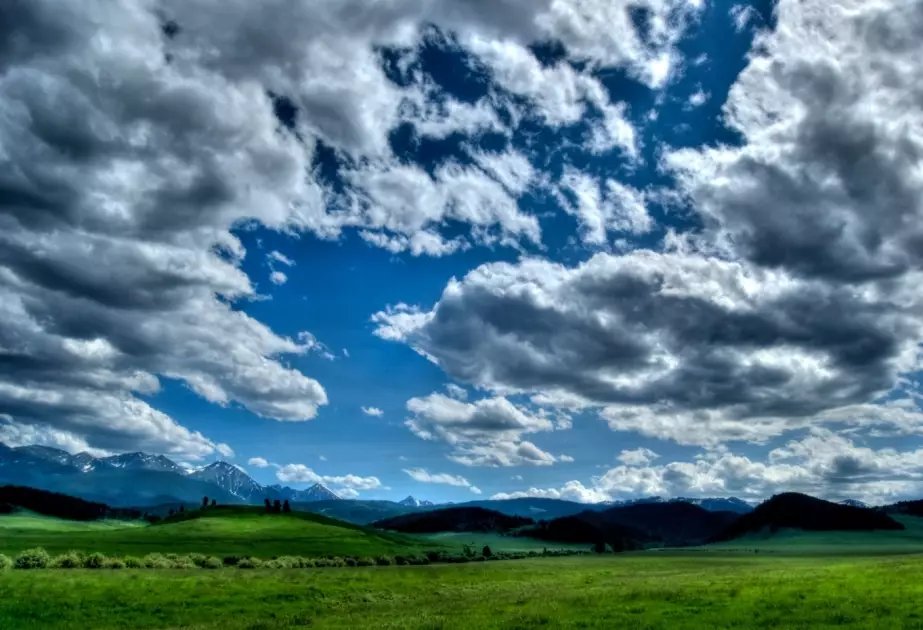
{"x":792,"y":510}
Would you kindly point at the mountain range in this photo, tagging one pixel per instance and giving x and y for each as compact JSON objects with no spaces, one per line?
{"x":140,"y":479}
{"x":148,"y":481}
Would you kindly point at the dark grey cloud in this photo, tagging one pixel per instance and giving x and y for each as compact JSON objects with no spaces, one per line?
{"x":648,"y":329}
{"x":827,"y":184}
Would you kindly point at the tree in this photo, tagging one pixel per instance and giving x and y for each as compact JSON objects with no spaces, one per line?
{"x":599,"y":547}
{"x":286,"y":507}
{"x":268,"y":505}
{"x":182,"y":508}
{"x":172,"y":511}
{"x":277,"y":506}
{"x":214,"y":502}
{"x":205,"y":503}
{"x":487,"y":552}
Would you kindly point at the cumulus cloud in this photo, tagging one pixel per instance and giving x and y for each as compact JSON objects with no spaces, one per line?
{"x":824,"y":464}
{"x":278,"y":278}
{"x":486,"y":432}
{"x":637,"y":457}
{"x":695,"y":334}
{"x":347,"y":486}
{"x":275,"y":256}
{"x":258,"y":462}
{"x":424,"y":476}
{"x":373,"y":411}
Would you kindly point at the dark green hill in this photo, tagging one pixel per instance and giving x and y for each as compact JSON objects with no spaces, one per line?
{"x":799,"y":511}
{"x":669,"y":524}
{"x":910,"y":508}
{"x":454,"y":519}
{"x":46,"y":503}
{"x":673,"y":524}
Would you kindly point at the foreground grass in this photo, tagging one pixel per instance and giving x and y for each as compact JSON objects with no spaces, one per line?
{"x":646,"y":590}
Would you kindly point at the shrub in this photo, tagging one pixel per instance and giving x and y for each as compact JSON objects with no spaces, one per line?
{"x":231,"y":561}
{"x":352,"y":562}
{"x":131,"y":562}
{"x":487,"y":551}
{"x":69,"y":560}
{"x":182,"y":562}
{"x":307,"y":563}
{"x":32,"y":559}
{"x":249,"y":563}
{"x":321,"y":563}
{"x":5,"y":562}
{"x":479,"y":558}
{"x":197,"y":558}
{"x":336,"y":562}
{"x":95,"y":561}
{"x":384,"y":561}
{"x":212,"y":562}
{"x":401,"y":561}
{"x":115,"y":563}
{"x":417,"y":560}
{"x":156,"y":561}
{"x":365,"y":561}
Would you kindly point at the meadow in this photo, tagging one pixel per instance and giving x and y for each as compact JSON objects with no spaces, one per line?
{"x":788,"y":580}
{"x":643,"y":590}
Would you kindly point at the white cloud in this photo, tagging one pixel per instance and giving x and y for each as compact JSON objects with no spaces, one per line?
{"x":423,"y":476}
{"x":373,"y":411}
{"x":457,"y":392}
{"x":346,"y":485}
{"x":258,"y":462}
{"x":224,"y":450}
{"x":823,"y":464}
{"x":638,"y":457}
{"x":278,"y":278}
{"x":275,"y":256}
{"x":614,"y":208}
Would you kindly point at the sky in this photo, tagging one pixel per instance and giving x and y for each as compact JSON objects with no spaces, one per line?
{"x":579,"y":249}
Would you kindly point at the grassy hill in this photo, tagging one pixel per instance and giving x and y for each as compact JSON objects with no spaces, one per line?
{"x":455,"y":519}
{"x":243,"y":531}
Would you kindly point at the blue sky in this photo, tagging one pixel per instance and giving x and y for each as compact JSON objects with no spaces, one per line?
{"x":586,"y":250}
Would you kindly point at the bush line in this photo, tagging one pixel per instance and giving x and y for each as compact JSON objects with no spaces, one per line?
{"x":38,"y":558}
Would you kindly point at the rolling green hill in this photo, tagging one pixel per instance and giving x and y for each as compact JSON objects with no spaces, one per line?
{"x":243,"y":531}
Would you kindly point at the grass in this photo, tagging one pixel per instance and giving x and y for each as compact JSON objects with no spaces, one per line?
{"x":222,"y":531}
{"x":496,"y":542}
{"x":646,"y":590}
{"x":797,"y":580}
{"x":795,"y":542}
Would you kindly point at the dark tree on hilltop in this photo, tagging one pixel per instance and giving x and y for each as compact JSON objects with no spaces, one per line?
{"x":182,"y":508}
{"x":214,"y":502}
{"x":268,"y":505}
{"x":277,"y":506}
{"x":172,"y":511}
{"x":286,"y":507}
{"x":204,"y":503}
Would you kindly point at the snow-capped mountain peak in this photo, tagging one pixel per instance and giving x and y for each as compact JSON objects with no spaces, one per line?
{"x":410,"y":501}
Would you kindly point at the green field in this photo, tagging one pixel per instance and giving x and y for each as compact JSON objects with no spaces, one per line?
{"x":645,"y":590}
{"x":787,"y":580}
{"x":496,"y":542}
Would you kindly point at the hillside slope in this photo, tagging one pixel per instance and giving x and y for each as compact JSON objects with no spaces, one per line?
{"x":455,"y":519}
{"x":222,"y":531}
{"x":799,"y":511}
